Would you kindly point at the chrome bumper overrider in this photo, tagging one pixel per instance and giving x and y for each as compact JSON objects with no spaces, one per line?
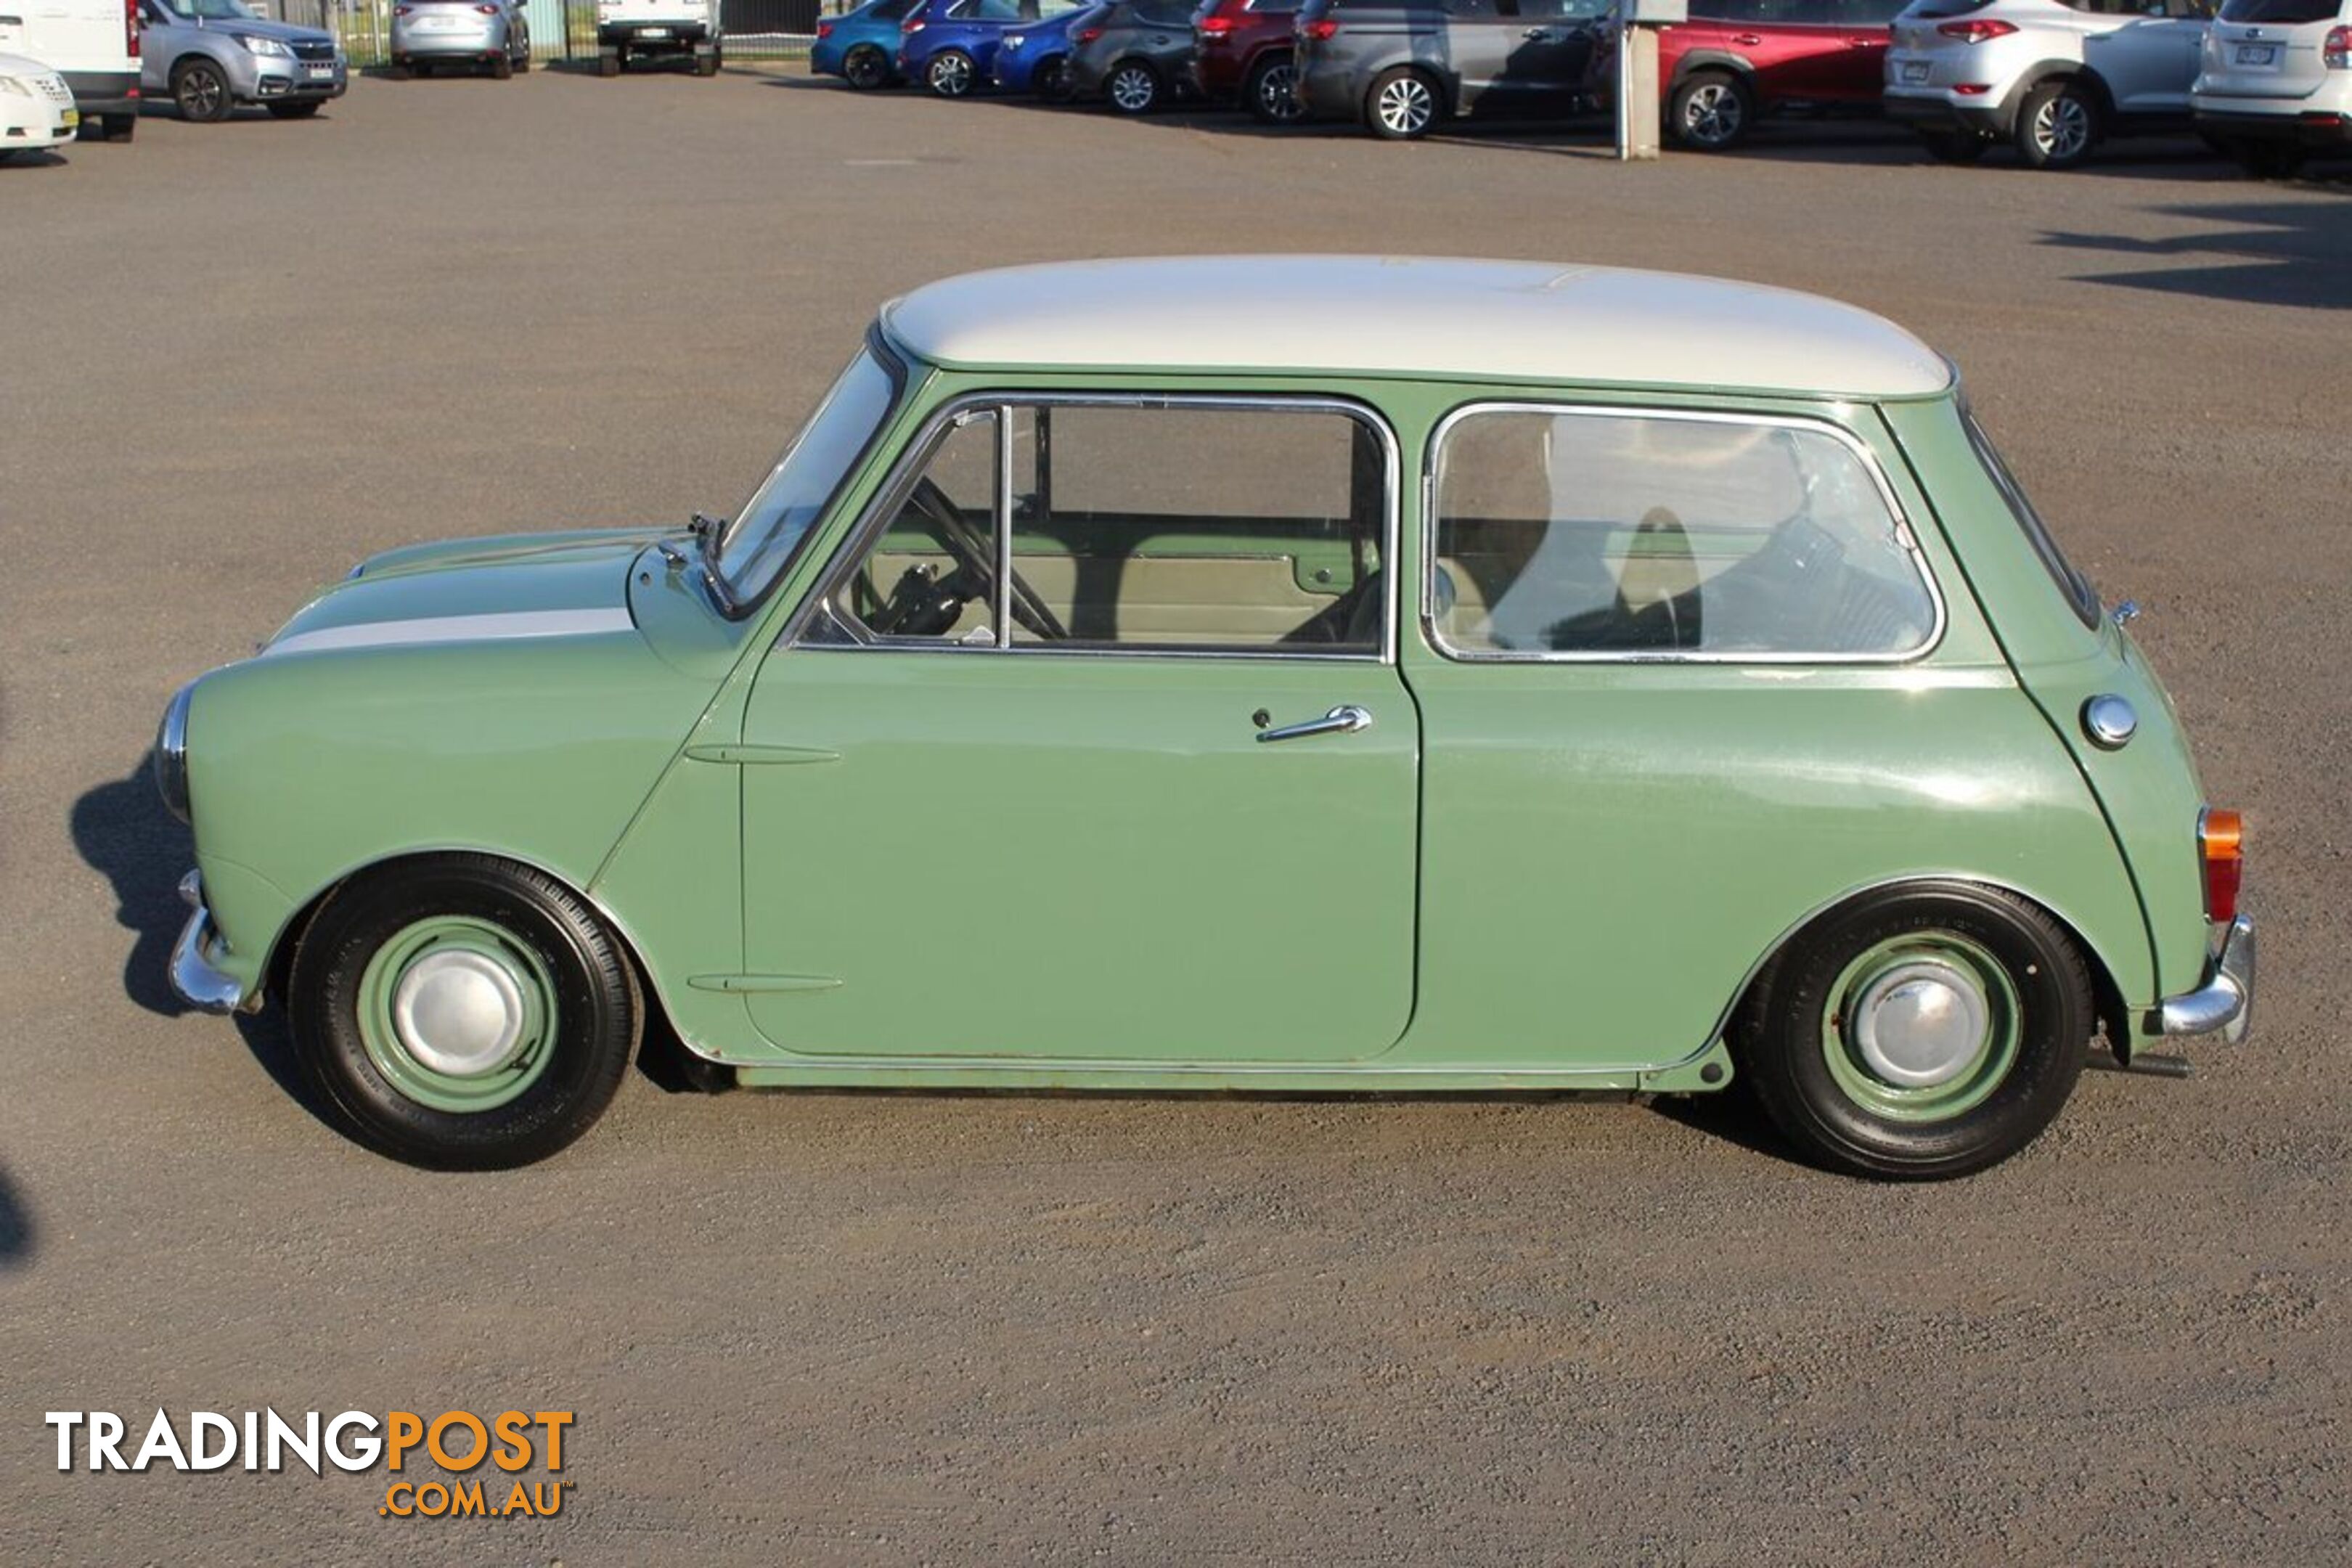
{"x":2224,"y":1005}
{"x":194,"y":979}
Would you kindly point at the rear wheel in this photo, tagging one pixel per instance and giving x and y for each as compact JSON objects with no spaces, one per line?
{"x":1918,"y":1032}
{"x":2057,"y":125}
{"x":399,"y":71}
{"x":1401,"y":105}
{"x":866,"y":68}
{"x":201,"y":91}
{"x":1711,"y":112}
{"x":1954,"y":146}
{"x":1271,"y":91}
{"x":707,"y":61}
{"x":302,"y":110}
{"x":2267,"y":159}
{"x":950,"y":74}
{"x":502,"y":68}
{"x":462,"y":1012}
{"x":1132,"y":88}
{"x":1051,"y":80}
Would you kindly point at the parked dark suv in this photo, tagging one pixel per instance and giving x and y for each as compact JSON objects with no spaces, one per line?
{"x":1136,"y":55}
{"x":1735,"y":61}
{"x":1399,"y":67}
{"x":1242,"y":53}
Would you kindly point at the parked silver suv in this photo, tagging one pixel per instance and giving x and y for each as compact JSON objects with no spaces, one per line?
{"x":2053,"y":79}
{"x":2276,"y":84}
{"x":210,"y":55}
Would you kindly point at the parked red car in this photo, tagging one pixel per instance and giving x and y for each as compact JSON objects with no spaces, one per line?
{"x":1735,"y":61}
{"x":1241,"y":52}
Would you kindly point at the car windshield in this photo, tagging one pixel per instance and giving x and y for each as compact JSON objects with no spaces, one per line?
{"x":754,"y":550}
{"x":210,"y":10}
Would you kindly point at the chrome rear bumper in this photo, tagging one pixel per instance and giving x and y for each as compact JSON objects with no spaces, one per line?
{"x":194,"y":979}
{"x":2224,"y":1005}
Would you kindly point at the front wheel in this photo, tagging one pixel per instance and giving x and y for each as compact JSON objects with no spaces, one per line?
{"x":1401,"y":105}
{"x":950,"y":74}
{"x":462,"y":1012}
{"x":706,"y":61}
{"x":202,"y":92}
{"x":1710,"y":112}
{"x":866,"y":68}
{"x":1918,"y":1032}
{"x":1051,"y":80}
{"x":1132,"y":88}
{"x":1271,"y":91}
{"x":502,"y":68}
{"x":2057,"y":125}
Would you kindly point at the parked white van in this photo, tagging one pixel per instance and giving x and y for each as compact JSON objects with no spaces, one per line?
{"x":93,"y":44}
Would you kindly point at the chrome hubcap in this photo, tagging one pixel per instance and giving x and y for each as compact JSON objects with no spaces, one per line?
{"x":2063,"y":128}
{"x":1920,"y":1023}
{"x":1131,"y":89}
{"x":459,"y":1012}
{"x":950,"y":74}
{"x":1406,"y":107}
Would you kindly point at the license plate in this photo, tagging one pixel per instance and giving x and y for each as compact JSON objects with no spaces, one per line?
{"x":444,"y":24}
{"x":1915,"y":72}
{"x":321,"y":70}
{"x":72,"y":120}
{"x":2257,"y":54}
{"x":653,"y":32}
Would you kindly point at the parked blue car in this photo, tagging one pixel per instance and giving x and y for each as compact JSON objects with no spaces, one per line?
{"x":950,"y":46}
{"x":862,"y":47}
{"x":1036,"y":59}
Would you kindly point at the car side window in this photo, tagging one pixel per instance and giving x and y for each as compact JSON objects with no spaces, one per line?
{"x":928,"y":574}
{"x":1198,"y":527}
{"x":1594,"y":533}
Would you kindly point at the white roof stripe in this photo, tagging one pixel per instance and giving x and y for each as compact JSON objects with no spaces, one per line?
{"x":456,"y":628}
{"x":1412,"y":316}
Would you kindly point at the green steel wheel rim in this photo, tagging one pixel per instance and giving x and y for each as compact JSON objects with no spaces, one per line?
{"x":1921,"y":1028}
{"x":457,"y":1013}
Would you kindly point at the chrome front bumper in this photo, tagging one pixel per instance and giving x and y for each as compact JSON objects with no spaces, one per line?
{"x":2224,"y":1005}
{"x":194,"y":979}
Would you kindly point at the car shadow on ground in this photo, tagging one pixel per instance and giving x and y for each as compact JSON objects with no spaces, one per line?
{"x":2275,"y":253}
{"x":15,"y":1225}
{"x":42,"y":160}
{"x":123,"y":831}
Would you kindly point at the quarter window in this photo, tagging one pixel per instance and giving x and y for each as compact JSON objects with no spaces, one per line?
{"x":1590,"y":533}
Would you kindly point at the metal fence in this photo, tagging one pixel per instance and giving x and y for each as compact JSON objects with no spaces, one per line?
{"x":566,"y":30}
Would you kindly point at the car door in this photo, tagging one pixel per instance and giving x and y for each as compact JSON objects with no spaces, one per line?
{"x":1546,"y":56}
{"x":1796,"y":45}
{"x":1856,"y":73}
{"x":1157,"y":803}
{"x":1469,"y":43}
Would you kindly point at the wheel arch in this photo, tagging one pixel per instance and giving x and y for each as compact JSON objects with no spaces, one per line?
{"x":277,"y":966}
{"x":2113,"y":1015}
{"x":2043,"y":72}
{"x":1736,"y":66}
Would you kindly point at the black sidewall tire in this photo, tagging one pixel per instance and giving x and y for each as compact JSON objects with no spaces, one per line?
{"x":1253,"y":93}
{"x":598,"y":1009}
{"x":1780,"y":1051}
{"x":1051,"y":80}
{"x":876,"y":70}
{"x":191,"y":72}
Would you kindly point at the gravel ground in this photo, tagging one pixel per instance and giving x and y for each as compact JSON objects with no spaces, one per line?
{"x":951,"y":1329}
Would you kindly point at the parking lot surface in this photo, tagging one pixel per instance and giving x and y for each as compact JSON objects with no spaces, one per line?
{"x":833,"y":1327}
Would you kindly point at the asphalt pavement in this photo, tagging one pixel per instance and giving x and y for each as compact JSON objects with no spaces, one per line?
{"x":921,"y":1328}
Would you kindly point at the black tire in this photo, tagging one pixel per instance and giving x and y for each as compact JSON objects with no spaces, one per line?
{"x":865,"y":67}
{"x":502,"y":68}
{"x":598,"y":1013}
{"x":399,"y":71}
{"x":1050,"y":81}
{"x":2059,"y":124}
{"x":1793,"y":1026}
{"x":1271,"y":91}
{"x":1402,"y":104}
{"x":201,"y":90}
{"x":522,"y":60}
{"x":116,"y":127}
{"x":302,"y":110}
{"x":1710,"y":111}
{"x":608,"y":62}
{"x":1954,"y":146}
{"x":705,"y":62}
{"x":2267,"y":159}
{"x":951,"y":73}
{"x":1133,"y":87}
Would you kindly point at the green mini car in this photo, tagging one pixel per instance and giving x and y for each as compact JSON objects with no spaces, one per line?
{"x":1296,"y":674}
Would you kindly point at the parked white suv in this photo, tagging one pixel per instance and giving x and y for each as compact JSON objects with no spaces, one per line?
{"x":2276,"y":84}
{"x":2053,"y":78}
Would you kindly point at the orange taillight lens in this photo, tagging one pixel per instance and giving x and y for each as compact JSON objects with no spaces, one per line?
{"x":2222,"y":843}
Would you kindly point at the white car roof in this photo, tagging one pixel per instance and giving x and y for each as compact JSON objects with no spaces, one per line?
{"x":25,"y":66}
{"x":1412,"y":316}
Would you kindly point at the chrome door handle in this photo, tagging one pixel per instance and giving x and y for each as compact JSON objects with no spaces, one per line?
{"x":1344,"y":719}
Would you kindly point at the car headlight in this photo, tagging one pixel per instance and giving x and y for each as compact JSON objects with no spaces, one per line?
{"x":261,"y":46}
{"x":171,"y":754}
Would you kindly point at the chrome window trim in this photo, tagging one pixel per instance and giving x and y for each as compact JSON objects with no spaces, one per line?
{"x":907,"y":471}
{"x":1904,"y":532}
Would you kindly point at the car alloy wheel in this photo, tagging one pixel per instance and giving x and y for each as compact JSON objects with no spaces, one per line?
{"x":1713,"y":115}
{"x":1133,"y":88}
{"x":2062,"y":129}
{"x":201,"y":92}
{"x":865,"y":68}
{"x":949,"y":73}
{"x":1274,"y":94}
{"x":1403,"y":107}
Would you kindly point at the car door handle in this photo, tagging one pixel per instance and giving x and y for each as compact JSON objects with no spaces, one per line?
{"x":1344,"y":719}
{"x":1536,"y":34}
{"x":1748,"y":40}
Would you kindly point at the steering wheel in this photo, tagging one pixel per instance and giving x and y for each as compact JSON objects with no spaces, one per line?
{"x":971,"y":559}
